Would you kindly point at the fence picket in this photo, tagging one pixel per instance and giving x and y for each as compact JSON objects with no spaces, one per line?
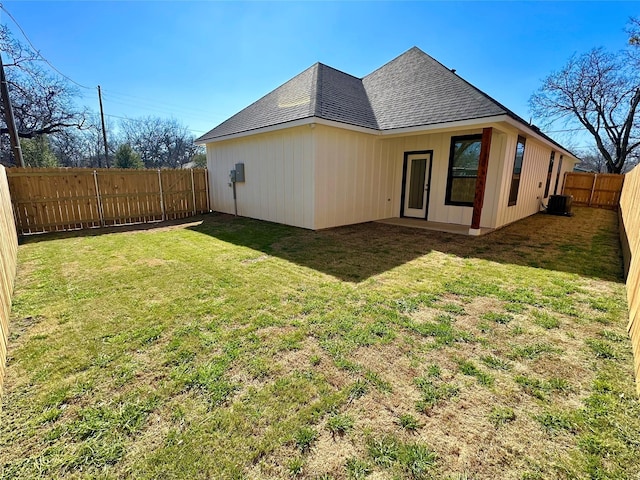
{"x":594,"y":189}
{"x":55,"y":199}
{"x":8,"y":260}
{"x":630,"y":238}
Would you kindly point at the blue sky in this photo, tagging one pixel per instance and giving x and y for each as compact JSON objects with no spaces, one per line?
{"x":201,"y":62}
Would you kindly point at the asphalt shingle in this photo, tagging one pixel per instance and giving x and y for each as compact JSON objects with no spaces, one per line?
{"x":411,"y":90}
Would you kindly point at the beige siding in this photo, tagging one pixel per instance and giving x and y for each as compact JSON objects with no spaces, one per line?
{"x":440,"y":144}
{"x":567,"y":166}
{"x":279,"y":176}
{"x":493,"y":188}
{"x":355,"y":178}
{"x":319,"y":176}
{"x":532,"y":180}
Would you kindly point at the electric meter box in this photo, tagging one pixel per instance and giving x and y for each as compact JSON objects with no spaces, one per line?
{"x":239,"y":172}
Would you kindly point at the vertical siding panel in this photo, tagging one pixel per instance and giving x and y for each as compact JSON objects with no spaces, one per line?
{"x":296,"y":209}
{"x":262,"y":188}
{"x":288,"y":207}
{"x":364,"y":161}
{"x":368,"y":175}
{"x":278,"y":184}
{"x":534,"y":172}
{"x":272,"y":178}
{"x":318,"y":179}
{"x":322,"y":177}
{"x":494,"y":187}
{"x":310,"y":188}
{"x":507,"y":173}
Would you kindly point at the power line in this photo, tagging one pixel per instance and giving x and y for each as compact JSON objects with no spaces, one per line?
{"x":38,"y":51}
{"x":136,"y":120}
{"x":156,"y":102}
{"x":567,"y":130}
{"x":151,"y":107}
{"x":151,"y":104}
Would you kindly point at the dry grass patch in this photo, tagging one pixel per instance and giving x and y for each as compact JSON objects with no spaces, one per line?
{"x":233,"y":348}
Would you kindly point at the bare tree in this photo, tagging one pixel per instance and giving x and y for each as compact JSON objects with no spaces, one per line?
{"x":43,"y":103}
{"x":593,"y":161}
{"x":160,"y":142}
{"x":600,"y":91}
{"x":633,"y":30}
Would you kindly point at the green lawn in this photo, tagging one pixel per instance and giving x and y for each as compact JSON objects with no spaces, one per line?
{"x":233,"y":348}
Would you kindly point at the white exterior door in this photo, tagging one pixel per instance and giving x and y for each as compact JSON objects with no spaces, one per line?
{"x":416,"y":185}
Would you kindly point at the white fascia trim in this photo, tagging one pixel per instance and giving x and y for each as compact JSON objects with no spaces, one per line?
{"x":473,"y":122}
{"x":347,"y":126}
{"x":291,"y":124}
{"x":272,"y":128}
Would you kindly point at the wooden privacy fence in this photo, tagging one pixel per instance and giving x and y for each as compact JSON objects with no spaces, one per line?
{"x":8,"y":255}
{"x":630,"y":238}
{"x":594,"y":189}
{"x":56,"y":199}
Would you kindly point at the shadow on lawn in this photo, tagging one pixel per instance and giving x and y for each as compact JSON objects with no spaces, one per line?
{"x":586,"y":244}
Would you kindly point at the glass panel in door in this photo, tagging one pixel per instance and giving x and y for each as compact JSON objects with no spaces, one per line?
{"x":417,"y":185}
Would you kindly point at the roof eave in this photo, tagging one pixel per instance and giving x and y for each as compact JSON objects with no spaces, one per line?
{"x":468,"y":123}
{"x":290,"y":124}
{"x":541,"y":137}
{"x":457,"y":124}
{"x":483,"y":121}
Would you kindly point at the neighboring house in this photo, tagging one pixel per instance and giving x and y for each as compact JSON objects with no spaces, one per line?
{"x":411,"y":139}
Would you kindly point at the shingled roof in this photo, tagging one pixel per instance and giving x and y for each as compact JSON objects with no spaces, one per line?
{"x":410,"y":91}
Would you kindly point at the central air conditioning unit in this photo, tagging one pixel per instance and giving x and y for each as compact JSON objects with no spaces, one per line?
{"x":560,"y":205}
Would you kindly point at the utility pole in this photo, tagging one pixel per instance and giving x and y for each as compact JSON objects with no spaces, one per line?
{"x":8,"y":116}
{"x":104,"y":130}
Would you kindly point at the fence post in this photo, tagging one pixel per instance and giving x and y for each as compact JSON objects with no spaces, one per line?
{"x":100,"y":210}
{"x":593,"y":188}
{"x":193,"y":192}
{"x":206,"y":187}
{"x":164,"y":217}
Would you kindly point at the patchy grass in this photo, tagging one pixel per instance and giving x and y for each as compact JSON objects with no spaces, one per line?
{"x":501,"y":415}
{"x":409,"y":422}
{"x":232,"y":348}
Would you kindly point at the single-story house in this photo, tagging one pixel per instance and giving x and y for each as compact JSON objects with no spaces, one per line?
{"x":411,"y":139}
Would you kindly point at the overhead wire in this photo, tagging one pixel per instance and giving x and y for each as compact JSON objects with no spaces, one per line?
{"x":577,"y":129}
{"x":38,"y":51}
{"x":110,"y":92}
{"x":157,"y":102}
{"x":107,"y":93}
{"x":138,"y":120}
{"x":151,"y":107}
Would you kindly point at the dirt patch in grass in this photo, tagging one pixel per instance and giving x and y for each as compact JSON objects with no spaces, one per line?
{"x":233,"y":348}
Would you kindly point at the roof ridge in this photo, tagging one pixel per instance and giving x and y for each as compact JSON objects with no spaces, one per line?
{"x":338,"y":70}
{"x":393,"y":60}
{"x":507,"y":110}
{"x":411,"y":90}
{"x":317,"y":107}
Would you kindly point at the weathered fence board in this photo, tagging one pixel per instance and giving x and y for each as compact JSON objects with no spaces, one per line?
{"x":630,"y":237}
{"x":594,"y":189}
{"x":57,"y":199}
{"x":8,"y":255}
